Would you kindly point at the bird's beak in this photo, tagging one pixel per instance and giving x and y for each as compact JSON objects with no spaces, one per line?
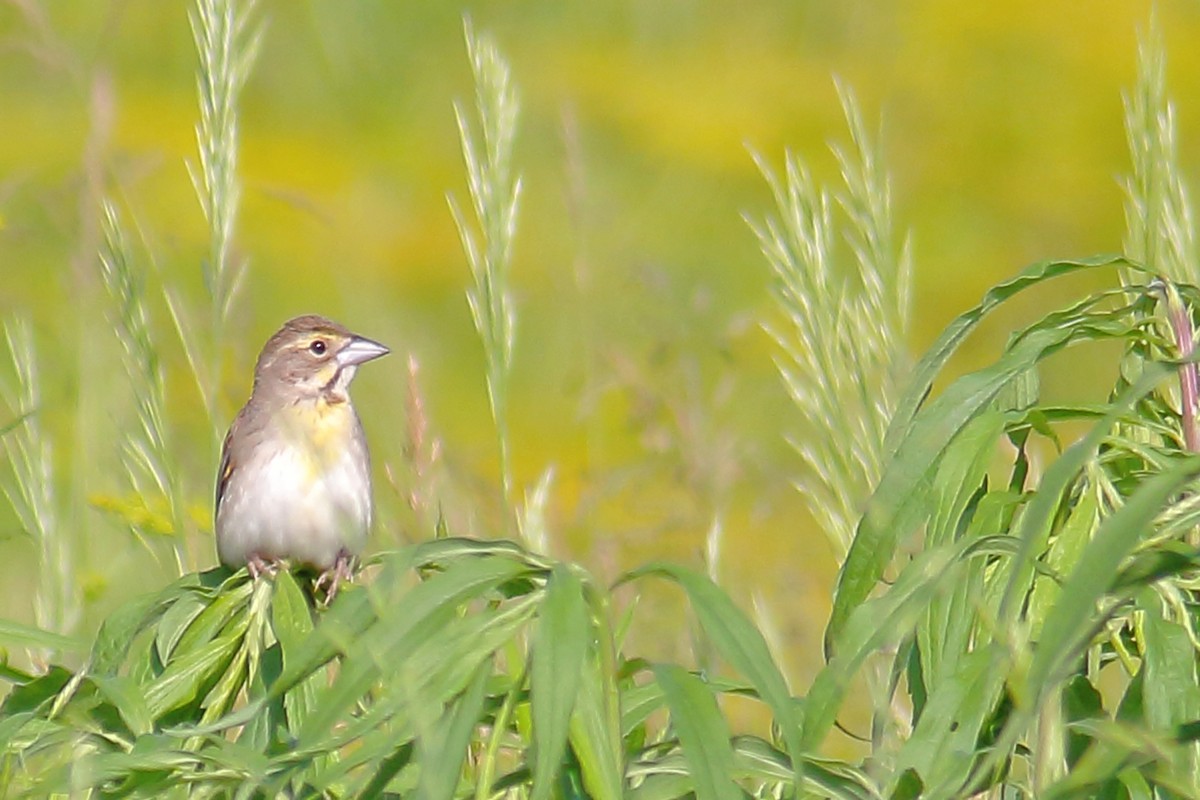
{"x":358,"y":350}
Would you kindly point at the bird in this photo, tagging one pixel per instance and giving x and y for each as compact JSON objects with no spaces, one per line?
{"x":294,"y":482}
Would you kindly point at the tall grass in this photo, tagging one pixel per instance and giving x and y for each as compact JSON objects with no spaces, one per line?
{"x":227,"y":44}
{"x":1160,"y":227}
{"x":842,"y":345}
{"x":150,"y":463}
{"x":29,"y":485}
{"x":843,"y":285}
{"x":495,"y":191}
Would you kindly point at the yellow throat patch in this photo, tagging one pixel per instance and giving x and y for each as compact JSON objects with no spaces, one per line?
{"x":323,"y":430}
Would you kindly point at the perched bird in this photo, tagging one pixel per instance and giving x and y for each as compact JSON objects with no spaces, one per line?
{"x":295,"y":476}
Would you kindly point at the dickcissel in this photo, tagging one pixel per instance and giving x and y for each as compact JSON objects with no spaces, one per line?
{"x":295,"y":477}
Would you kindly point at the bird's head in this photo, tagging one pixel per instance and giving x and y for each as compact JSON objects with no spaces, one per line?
{"x":312,"y":357}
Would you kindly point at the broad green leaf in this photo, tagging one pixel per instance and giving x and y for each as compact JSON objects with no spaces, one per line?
{"x":211,"y":622}
{"x":122,"y":626}
{"x":126,"y":696}
{"x":184,"y":680}
{"x":1171,"y":695}
{"x":664,"y":785}
{"x":32,"y":695}
{"x":444,"y":747}
{"x":387,"y":768}
{"x":943,"y":742}
{"x":901,"y":499}
{"x":757,"y":760}
{"x":291,"y":617}
{"x":957,"y":501}
{"x":1033,"y":529}
{"x":1064,"y":552}
{"x":1071,"y":622}
{"x":637,"y":704}
{"x":703,"y":733}
{"x":937,"y":356}
{"x":16,"y":634}
{"x":1114,"y":745}
{"x":434,"y":674}
{"x":152,"y":755}
{"x":419,"y":615}
{"x":960,"y":474}
{"x":442,"y":665}
{"x":559,"y":649}
{"x":884,"y":620}
{"x":331,"y":767}
{"x":175,"y":620}
{"x":340,"y":625}
{"x":595,"y":728}
{"x":448,"y":550}
{"x":1073,"y":615}
{"x":291,"y":621}
{"x":739,"y":642}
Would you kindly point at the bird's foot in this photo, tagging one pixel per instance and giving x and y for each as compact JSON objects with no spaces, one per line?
{"x":342,"y":570}
{"x":256,"y":565}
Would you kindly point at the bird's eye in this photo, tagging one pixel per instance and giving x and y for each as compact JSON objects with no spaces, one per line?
{"x":317,"y":348}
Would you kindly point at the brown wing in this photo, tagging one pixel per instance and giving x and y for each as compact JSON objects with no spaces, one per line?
{"x":227,"y":466}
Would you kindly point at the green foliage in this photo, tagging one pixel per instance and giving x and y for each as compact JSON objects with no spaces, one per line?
{"x":463,"y":668}
{"x":1000,"y":574}
{"x":417,"y":682}
{"x":1020,"y":589}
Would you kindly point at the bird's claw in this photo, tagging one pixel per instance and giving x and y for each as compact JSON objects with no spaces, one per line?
{"x":333,"y":577}
{"x":256,"y":565}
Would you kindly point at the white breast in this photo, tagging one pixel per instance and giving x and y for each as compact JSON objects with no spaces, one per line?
{"x":297,"y":509}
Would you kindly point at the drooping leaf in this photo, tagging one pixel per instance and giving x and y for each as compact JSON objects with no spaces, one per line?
{"x":559,"y":648}
{"x":703,"y":733}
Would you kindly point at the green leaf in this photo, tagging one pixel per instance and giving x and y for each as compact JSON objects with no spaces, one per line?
{"x":884,"y":620}
{"x":901,"y":500}
{"x":1171,"y":694}
{"x":637,"y":704}
{"x":442,"y":552}
{"x":417,"y":617}
{"x":30,"y":696}
{"x":1072,"y":617}
{"x":16,"y":634}
{"x":918,"y":440}
{"x":175,"y":620}
{"x":559,"y":650}
{"x":595,"y":728}
{"x":444,"y":746}
{"x":942,"y":745}
{"x":186,"y":679}
{"x":703,"y":733}
{"x":1064,"y":552}
{"x":387,"y":768}
{"x":739,"y":642}
{"x":291,"y":621}
{"x":291,"y":617}
{"x":121,"y":627}
{"x":211,"y":621}
{"x":128,"y":698}
{"x":937,"y":356}
{"x":960,"y":509}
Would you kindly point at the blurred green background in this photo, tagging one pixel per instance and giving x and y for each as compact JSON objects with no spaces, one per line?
{"x":642,"y":373}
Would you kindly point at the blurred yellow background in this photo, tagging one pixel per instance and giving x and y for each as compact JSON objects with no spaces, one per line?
{"x":642,"y":373}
